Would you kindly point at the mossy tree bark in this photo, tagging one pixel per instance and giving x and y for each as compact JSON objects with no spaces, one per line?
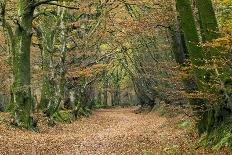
{"x":196,"y":56}
{"x":53,"y":92}
{"x":63,"y":52}
{"x":47,"y":44}
{"x":208,"y":22}
{"x":210,"y":31}
{"x":21,"y":64}
{"x":191,"y":37}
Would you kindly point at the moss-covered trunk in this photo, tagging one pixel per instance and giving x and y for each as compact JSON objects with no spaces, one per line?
{"x":208,"y":22}
{"x":46,"y":93}
{"x":191,"y":38}
{"x":21,"y":64}
{"x":196,"y":56}
{"x":52,"y":93}
{"x":62,"y":80}
{"x":210,"y":31}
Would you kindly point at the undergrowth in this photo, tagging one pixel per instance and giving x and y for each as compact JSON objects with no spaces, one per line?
{"x":63,"y":116}
{"x":168,"y":110}
{"x":220,"y":138}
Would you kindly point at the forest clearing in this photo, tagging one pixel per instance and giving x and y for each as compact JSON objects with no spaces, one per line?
{"x":115,"y":77}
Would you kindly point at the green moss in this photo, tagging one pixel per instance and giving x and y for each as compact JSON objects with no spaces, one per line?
{"x":1,"y":118}
{"x":219,"y":138}
{"x":183,"y":124}
{"x":189,"y":28}
{"x":21,"y":49}
{"x":197,"y":57}
{"x":208,"y":21}
{"x":63,"y":116}
{"x":81,"y":111}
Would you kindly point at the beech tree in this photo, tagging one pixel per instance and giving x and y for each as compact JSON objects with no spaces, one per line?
{"x":20,"y":34}
{"x":207,"y":62}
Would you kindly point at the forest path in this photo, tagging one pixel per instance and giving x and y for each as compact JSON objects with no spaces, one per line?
{"x":107,"y":131}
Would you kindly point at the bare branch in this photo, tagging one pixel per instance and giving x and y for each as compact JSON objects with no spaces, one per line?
{"x":65,"y":6}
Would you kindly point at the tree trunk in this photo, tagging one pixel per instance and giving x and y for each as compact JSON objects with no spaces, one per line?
{"x":47,"y":43}
{"x":208,"y":22}
{"x":196,"y":55}
{"x":209,"y":31}
{"x":21,"y":64}
{"x":105,"y":88}
{"x":62,"y":59}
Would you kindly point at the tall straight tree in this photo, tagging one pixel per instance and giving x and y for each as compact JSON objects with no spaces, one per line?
{"x":21,"y":43}
{"x":196,"y":55}
{"x":208,"y":22}
{"x":210,"y":31}
{"x":47,"y":49}
{"x":191,"y":36}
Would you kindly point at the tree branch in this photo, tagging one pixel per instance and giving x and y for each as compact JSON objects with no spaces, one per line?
{"x":51,"y":2}
{"x":65,"y":6}
{"x":43,"y":2}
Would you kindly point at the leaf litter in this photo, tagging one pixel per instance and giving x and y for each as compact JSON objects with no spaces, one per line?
{"x":107,"y":132}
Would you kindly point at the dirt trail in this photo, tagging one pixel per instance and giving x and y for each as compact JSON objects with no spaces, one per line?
{"x":109,"y":131}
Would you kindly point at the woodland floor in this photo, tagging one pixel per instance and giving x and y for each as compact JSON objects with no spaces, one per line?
{"x":107,"y":131}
